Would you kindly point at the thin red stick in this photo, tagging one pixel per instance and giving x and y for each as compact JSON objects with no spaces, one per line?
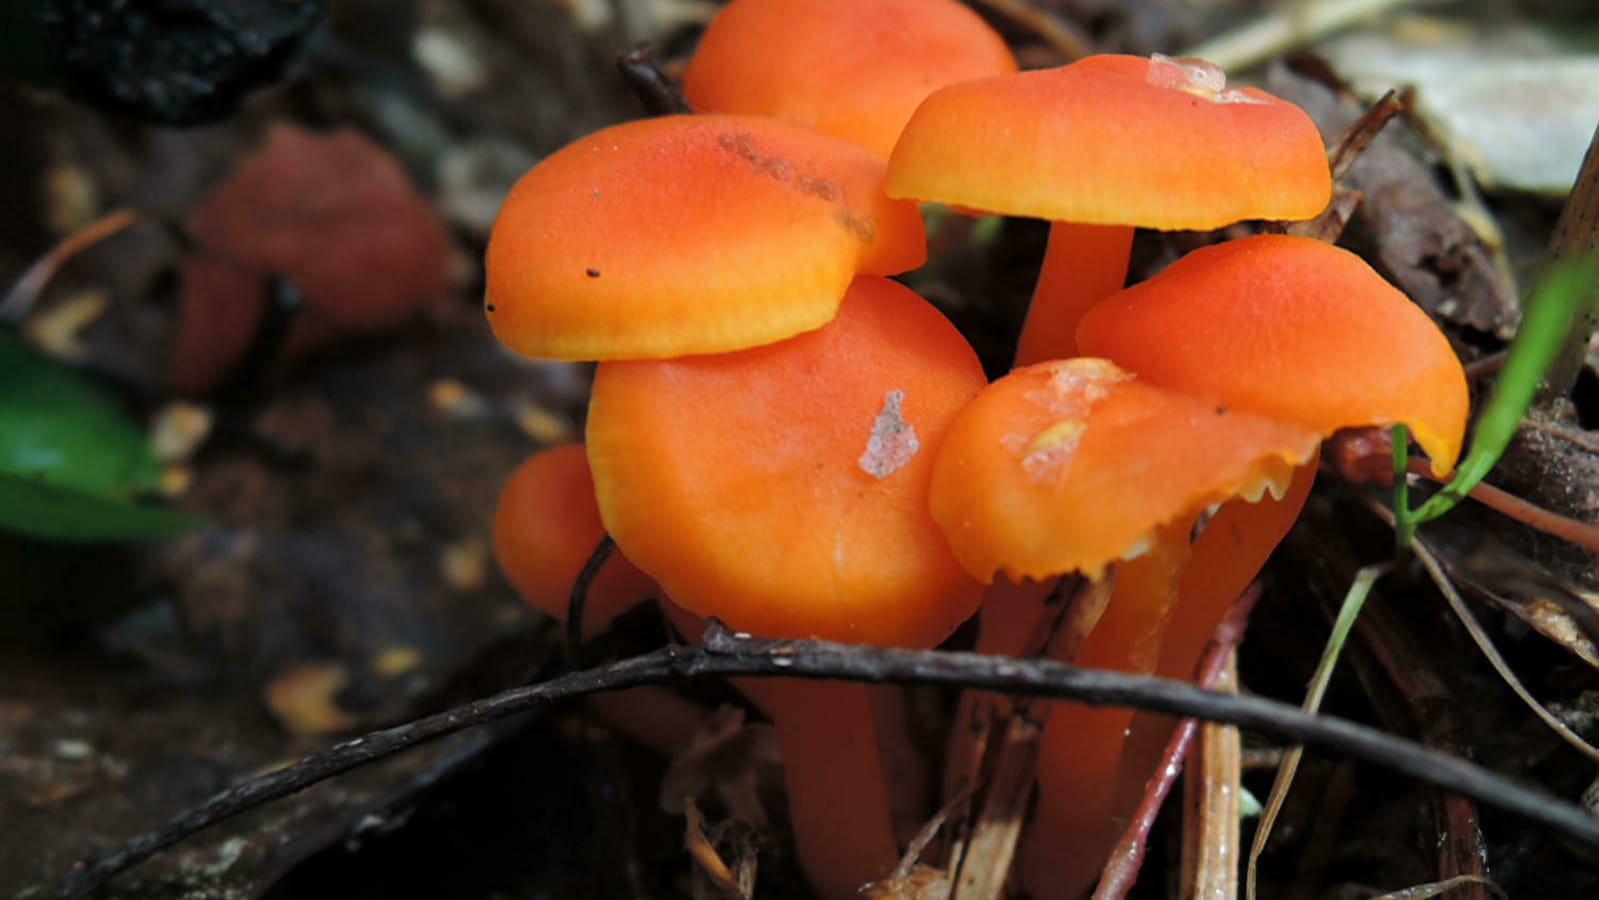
{"x":1121,"y":870}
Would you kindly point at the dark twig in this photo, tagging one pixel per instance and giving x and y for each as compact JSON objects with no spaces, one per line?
{"x":1363,"y":132}
{"x":724,"y":654}
{"x":1484,"y":366}
{"x":1330,"y":223}
{"x":578,"y":598}
{"x":656,"y":91}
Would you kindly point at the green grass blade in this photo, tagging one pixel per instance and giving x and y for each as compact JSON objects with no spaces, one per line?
{"x":1552,"y":309}
{"x":1348,"y":612}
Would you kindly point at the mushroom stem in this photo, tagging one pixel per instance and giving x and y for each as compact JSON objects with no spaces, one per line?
{"x":1075,"y":826}
{"x":1100,"y":759}
{"x":905,"y":769}
{"x":1010,"y":617}
{"x":1225,"y":558}
{"x":1083,"y":264}
{"x":843,"y":828}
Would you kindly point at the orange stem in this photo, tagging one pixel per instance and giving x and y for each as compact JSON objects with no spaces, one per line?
{"x":1083,"y":264}
{"x":1010,"y":616}
{"x":1077,"y":821}
{"x":1225,"y":559}
{"x":843,"y":829}
{"x":1094,"y":763}
{"x":905,"y":769}
{"x":1227,"y":556}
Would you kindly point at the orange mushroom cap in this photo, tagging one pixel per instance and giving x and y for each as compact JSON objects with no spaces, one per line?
{"x":1114,"y":140}
{"x":1292,"y":328}
{"x":689,"y":234}
{"x":855,"y":69}
{"x":783,"y":489}
{"x":1073,"y":464}
{"x":545,"y":528}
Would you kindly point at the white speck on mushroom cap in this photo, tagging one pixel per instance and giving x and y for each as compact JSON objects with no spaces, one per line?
{"x":1192,"y":75}
{"x":893,"y":442}
{"x":1075,"y":385}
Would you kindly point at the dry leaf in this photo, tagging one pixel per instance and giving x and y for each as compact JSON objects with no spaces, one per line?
{"x":336,"y":216}
{"x":304,"y":699}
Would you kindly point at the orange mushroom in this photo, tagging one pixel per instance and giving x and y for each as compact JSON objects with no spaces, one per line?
{"x":782,"y":489}
{"x":854,"y":69}
{"x":1294,"y":328}
{"x":1079,"y":466}
{"x":1067,"y":466}
{"x":689,"y":234}
{"x":545,"y":528}
{"x":1287,"y":328}
{"x":1099,"y":147}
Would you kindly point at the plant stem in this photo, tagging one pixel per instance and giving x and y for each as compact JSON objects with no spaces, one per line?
{"x":1404,"y":517}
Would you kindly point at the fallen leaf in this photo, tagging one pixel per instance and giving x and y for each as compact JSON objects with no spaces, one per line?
{"x":333,"y":214}
{"x":1520,"y":115}
{"x":304,"y":699}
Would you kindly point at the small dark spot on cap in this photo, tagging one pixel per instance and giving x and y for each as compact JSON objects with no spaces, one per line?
{"x":489,"y":307}
{"x":1221,"y":410}
{"x":593,"y":273}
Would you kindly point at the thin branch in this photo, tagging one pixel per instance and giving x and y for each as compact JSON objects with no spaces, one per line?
{"x":1484,"y":366}
{"x":1363,"y":132}
{"x":1067,"y":40}
{"x":1573,"y":531}
{"x":1213,"y":807}
{"x":1125,"y":861}
{"x":724,"y":654}
{"x":1436,"y":570}
{"x":577,"y":599}
{"x":18,"y":301}
{"x":1329,"y":224}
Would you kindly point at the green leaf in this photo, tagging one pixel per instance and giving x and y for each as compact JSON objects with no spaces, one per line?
{"x":72,"y":462}
{"x":57,"y":426}
{"x":47,"y":511}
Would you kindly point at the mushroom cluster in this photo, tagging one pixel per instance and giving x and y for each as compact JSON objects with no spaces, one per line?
{"x":783,"y":438}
